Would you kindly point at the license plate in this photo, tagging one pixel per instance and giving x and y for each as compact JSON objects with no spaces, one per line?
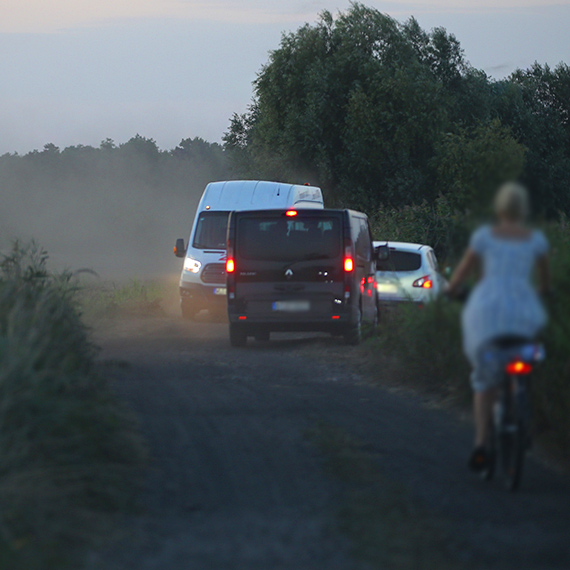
{"x":387,"y":288}
{"x":220,"y":291}
{"x":291,"y":306}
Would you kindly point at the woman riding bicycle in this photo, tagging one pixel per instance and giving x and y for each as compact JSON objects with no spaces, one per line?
{"x":504,"y":302}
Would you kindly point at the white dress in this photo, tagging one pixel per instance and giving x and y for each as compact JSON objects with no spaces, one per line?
{"x":504,"y":302}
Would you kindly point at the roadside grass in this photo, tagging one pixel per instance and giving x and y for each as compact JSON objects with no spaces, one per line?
{"x":420,"y":347}
{"x":386,"y":525}
{"x":70,"y":454}
{"x":136,"y":298}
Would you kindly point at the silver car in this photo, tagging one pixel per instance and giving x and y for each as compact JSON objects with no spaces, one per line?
{"x":407,"y":272}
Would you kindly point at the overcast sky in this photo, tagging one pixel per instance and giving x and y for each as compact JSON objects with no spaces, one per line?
{"x":80,"y":71}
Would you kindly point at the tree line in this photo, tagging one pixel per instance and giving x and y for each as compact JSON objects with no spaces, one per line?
{"x":193,"y":162}
{"x":384,"y":115}
{"x":128,"y":201}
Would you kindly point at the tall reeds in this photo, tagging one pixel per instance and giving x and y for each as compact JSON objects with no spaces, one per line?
{"x":68,"y":451}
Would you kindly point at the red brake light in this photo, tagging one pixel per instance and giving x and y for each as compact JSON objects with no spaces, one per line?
{"x":424,"y":282}
{"x":518,"y":367}
{"x":348,"y":264}
{"x":230,"y":265}
{"x":291,"y":213}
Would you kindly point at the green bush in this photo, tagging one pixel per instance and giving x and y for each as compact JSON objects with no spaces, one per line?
{"x":68,"y":451}
{"x":552,"y":381}
{"x":423,"y":347}
{"x":437,"y":224}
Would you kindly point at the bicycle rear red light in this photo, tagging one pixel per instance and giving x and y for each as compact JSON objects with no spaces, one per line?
{"x":518,"y":367}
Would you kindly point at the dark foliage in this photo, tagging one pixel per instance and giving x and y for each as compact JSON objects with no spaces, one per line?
{"x":385,"y":114}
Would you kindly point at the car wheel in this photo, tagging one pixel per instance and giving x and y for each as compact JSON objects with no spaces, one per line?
{"x":238,"y":337}
{"x":376,"y":320}
{"x":353,"y":334}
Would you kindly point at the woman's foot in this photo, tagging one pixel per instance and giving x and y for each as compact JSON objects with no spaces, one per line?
{"x":479,"y":459}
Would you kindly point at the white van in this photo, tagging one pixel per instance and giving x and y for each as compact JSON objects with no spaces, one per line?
{"x":203,"y":277}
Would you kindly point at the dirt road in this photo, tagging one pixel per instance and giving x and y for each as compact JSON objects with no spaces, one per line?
{"x":236,"y":481}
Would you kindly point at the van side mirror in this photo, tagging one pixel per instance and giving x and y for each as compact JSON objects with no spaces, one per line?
{"x":382,"y":252}
{"x":179,"y":248}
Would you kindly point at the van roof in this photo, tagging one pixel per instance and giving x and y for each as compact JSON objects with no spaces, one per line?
{"x":258,"y":195}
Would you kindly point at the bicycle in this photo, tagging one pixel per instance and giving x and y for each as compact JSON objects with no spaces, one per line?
{"x":510,"y":427}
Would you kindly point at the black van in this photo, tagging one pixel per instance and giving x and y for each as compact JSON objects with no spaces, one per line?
{"x":300,"y":270}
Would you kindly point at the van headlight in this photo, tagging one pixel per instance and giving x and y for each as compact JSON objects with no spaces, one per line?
{"x":192,"y":265}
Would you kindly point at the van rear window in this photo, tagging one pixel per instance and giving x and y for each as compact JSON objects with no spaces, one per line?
{"x":280,"y":239}
{"x":400,"y":261}
{"x":211,"y":230}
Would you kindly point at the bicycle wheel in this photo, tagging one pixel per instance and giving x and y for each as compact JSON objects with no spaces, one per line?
{"x":513,"y":444}
{"x":489,"y":471}
{"x":512,"y":441}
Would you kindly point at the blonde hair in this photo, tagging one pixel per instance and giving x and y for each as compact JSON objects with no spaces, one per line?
{"x":511,"y":201}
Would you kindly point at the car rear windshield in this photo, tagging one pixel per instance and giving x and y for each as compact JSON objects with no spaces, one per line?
{"x":211,"y":230}
{"x":284,"y":239}
{"x":400,"y":261}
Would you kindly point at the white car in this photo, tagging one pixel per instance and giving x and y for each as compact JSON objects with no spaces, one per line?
{"x":407,"y":272}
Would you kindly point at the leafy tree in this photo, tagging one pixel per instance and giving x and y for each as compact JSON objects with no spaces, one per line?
{"x":535,"y":103}
{"x":474,"y":162}
{"x":383,"y":114}
{"x":356,"y":104}
{"x":142,"y":147}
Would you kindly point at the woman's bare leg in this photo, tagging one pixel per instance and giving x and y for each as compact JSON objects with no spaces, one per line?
{"x":483,"y":403}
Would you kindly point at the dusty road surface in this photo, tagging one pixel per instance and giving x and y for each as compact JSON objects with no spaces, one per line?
{"x":238,"y":479}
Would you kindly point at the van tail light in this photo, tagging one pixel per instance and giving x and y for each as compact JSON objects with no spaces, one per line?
{"x":348,"y":260}
{"x":518,"y":368}
{"x":423,"y":282}
{"x":230,"y":265}
{"x":348,"y":267}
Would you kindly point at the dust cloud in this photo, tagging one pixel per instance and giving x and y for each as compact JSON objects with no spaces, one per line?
{"x":116,"y":210}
